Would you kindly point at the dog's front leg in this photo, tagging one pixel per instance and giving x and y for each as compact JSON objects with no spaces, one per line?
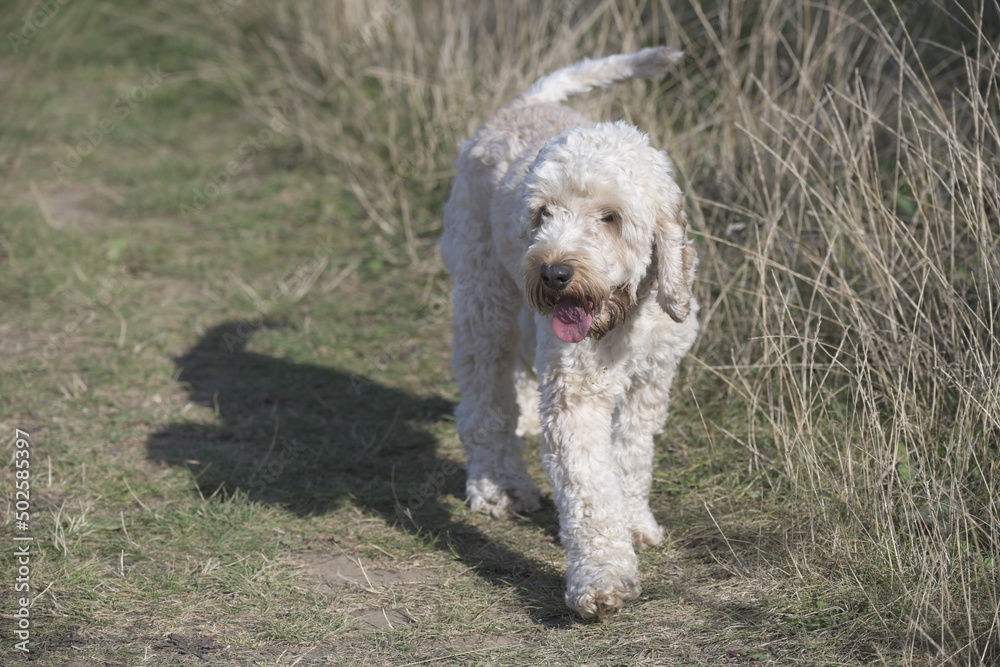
{"x":602,"y":568}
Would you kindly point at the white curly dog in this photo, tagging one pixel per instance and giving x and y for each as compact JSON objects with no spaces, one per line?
{"x":566,"y":241}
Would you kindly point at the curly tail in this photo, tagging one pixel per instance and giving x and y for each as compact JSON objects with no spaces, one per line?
{"x":589,"y":74}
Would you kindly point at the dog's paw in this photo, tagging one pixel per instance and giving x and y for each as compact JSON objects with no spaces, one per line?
{"x":504,"y":497}
{"x":603,"y":597}
{"x":645,"y":531}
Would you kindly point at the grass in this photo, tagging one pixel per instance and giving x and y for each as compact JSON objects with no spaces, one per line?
{"x":236,"y":383}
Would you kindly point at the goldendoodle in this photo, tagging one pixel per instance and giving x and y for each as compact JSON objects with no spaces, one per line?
{"x":566,"y":241}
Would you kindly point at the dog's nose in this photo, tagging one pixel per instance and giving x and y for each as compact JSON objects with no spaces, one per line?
{"x":556,"y":276}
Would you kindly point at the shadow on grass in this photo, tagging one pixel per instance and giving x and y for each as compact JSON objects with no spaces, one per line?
{"x":312,"y":439}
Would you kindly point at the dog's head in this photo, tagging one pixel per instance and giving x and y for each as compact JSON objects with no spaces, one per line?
{"x":606,"y":222}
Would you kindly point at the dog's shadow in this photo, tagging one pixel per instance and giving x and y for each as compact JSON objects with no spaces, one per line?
{"x":310,"y":439}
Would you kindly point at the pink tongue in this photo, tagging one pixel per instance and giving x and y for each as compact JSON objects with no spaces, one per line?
{"x":570,"y":322}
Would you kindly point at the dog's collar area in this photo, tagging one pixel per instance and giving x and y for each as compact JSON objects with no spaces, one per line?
{"x":616,"y":310}
{"x":612,"y":313}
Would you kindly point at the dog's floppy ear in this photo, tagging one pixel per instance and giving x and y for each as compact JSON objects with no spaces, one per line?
{"x":675,"y":259}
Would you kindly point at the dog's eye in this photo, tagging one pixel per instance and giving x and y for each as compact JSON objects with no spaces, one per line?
{"x":609,"y":218}
{"x":541,"y":215}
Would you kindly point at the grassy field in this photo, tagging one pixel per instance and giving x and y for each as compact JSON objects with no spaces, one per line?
{"x":225,"y":332}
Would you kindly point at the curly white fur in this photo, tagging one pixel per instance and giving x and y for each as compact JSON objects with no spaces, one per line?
{"x":567,"y":245}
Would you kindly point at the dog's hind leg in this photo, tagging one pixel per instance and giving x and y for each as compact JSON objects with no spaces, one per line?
{"x":485,"y":354}
{"x":485,"y":330}
{"x":525,"y":380}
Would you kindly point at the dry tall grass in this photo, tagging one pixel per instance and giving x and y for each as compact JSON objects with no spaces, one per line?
{"x":842,"y":162}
